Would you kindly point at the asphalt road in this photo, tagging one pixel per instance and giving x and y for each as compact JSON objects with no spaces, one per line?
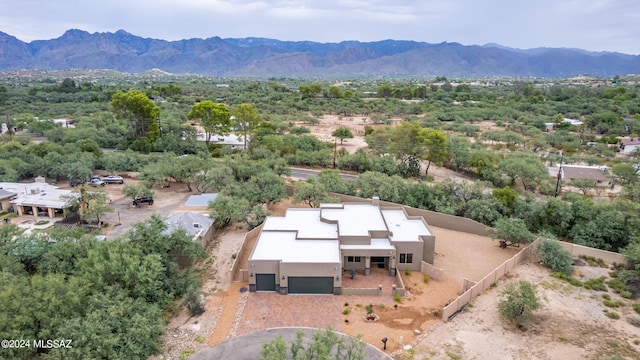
{"x":299,"y":173}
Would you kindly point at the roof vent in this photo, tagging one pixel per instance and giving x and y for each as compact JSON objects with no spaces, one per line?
{"x":375,"y":201}
{"x":196,"y":225}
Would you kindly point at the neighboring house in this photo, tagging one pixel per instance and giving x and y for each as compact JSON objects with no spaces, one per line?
{"x":628,"y":145}
{"x":5,"y":200}
{"x":233,"y":140}
{"x":37,"y":198}
{"x":200,"y":227}
{"x":599,"y":174}
{"x":308,"y":250}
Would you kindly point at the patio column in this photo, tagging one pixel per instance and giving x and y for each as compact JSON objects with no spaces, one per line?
{"x":52,"y":213}
{"x":392,"y":265}
{"x":367,"y":265}
{"x":35,"y":211}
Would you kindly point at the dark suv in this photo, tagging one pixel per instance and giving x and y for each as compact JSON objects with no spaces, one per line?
{"x":76,"y":182}
{"x":138,"y":201}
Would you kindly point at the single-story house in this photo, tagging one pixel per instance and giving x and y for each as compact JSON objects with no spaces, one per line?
{"x":37,"y":198}
{"x":5,"y":200}
{"x":199,"y":226}
{"x":599,"y":174}
{"x":628,"y":145}
{"x":233,"y":140}
{"x":308,"y":250}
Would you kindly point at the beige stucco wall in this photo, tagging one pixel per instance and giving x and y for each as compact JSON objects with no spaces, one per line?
{"x":307,"y":269}
{"x":409,"y":247}
{"x":263,"y":267}
{"x":6,"y":204}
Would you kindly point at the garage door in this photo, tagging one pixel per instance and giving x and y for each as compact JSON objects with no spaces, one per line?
{"x":265,"y":282}
{"x":310,"y":285}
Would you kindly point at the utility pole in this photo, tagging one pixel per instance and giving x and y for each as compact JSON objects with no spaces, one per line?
{"x":335,"y":146}
{"x":559,"y":174}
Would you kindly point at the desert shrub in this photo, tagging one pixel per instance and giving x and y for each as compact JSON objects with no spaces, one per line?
{"x":554,"y":256}
{"x":425,"y":278}
{"x":297,"y":130}
{"x":592,"y":261}
{"x":571,"y":280}
{"x":369,"y":309}
{"x":397,"y":298}
{"x":612,"y":314}
{"x":346,"y":311}
{"x":381,"y":306}
{"x":595,"y":284}
{"x":193,"y":302}
{"x":636,"y":307}
{"x":613,"y":304}
{"x":407,"y":272}
{"x":619,"y":287}
{"x":606,"y":296}
{"x":519,"y":302}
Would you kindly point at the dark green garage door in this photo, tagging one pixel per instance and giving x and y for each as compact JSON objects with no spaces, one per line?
{"x":310,"y":285}
{"x":265,"y":282}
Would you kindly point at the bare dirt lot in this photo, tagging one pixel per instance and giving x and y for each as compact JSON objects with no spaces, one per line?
{"x":570,"y":324}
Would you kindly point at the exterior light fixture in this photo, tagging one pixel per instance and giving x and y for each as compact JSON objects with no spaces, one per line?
{"x":337,"y":278}
{"x":282,"y":277}
{"x":250,"y":274}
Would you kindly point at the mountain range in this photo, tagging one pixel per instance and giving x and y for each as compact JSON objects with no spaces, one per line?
{"x":259,"y":57}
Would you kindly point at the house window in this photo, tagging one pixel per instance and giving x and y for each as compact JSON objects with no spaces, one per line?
{"x":406,"y":258}
{"x":353,"y":259}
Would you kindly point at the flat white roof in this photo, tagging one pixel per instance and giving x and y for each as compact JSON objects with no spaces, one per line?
{"x":37,"y":194}
{"x":305,"y":221}
{"x":404,"y":229}
{"x":356,"y":219}
{"x":283,"y":245}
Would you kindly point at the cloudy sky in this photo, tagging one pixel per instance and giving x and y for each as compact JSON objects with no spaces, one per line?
{"x":597,"y":25}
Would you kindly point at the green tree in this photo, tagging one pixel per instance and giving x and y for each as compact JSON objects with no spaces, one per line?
{"x":511,"y":232}
{"x":626,"y":174}
{"x":246,"y":118}
{"x":553,"y":255}
{"x":89,"y":202}
{"x":226,"y":209}
{"x":342,"y":133}
{"x":137,"y":191}
{"x":528,"y":169}
{"x":139,"y":112}
{"x":519,"y":302}
{"x":310,"y":192}
{"x":632,"y":254}
{"x":214,"y":117}
{"x":115,"y":326}
{"x":584,"y":185}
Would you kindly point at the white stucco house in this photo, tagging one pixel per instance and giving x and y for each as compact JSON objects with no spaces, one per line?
{"x":37,"y":198}
{"x":307,"y":251}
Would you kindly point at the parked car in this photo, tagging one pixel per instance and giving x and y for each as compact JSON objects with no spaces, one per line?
{"x":138,"y":201}
{"x":112,"y":179}
{"x":76,"y":182}
{"x":96,"y":182}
